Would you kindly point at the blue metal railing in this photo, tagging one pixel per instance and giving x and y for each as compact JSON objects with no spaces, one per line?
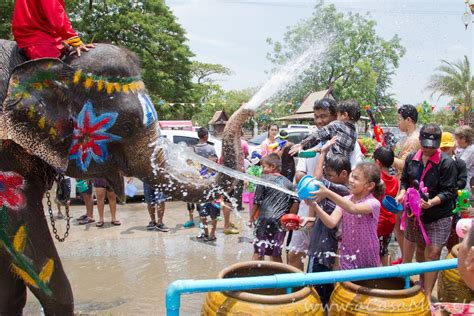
{"x":290,"y":280}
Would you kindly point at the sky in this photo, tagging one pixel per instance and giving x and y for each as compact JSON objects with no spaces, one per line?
{"x":234,"y":32}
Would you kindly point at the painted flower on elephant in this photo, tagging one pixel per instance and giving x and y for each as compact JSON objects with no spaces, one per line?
{"x":11,"y":190}
{"x":90,"y":136}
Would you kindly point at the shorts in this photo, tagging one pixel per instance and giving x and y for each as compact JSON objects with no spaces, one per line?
{"x":270,"y":244}
{"x":384,"y":242}
{"x":152,"y":196}
{"x":209,"y":209}
{"x":102,"y":183}
{"x":50,"y":50}
{"x":63,"y":191}
{"x":300,"y":240}
{"x":437,"y":231}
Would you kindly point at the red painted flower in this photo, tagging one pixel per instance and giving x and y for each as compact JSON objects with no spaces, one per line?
{"x":11,"y":190}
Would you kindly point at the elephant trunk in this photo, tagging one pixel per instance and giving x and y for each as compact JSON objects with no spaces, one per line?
{"x":165,"y":167}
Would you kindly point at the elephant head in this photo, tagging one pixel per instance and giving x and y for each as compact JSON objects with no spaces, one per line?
{"x":91,"y":117}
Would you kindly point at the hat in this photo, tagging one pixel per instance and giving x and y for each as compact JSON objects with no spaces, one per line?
{"x":447,"y":140}
{"x":283,"y":134}
{"x":430,"y":139}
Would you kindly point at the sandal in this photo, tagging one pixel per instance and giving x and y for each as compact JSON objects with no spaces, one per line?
{"x":202,"y":236}
{"x":82,"y":217}
{"x":210,"y":238}
{"x":116,"y":222}
{"x":99,"y":224}
{"x":86,"y":220}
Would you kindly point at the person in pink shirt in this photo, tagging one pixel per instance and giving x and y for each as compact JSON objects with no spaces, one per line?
{"x":272,"y":131}
{"x":359,"y":213}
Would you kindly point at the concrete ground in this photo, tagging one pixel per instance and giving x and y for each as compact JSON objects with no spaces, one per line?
{"x":124,"y":270}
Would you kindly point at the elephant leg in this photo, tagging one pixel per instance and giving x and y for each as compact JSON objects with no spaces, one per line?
{"x":12,"y":289}
{"x":60,"y":301}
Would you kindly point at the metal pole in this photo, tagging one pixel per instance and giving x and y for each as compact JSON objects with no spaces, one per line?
{"x":291,"y":280}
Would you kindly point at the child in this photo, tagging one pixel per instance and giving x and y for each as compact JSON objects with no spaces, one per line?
{"x":359,"y":213}
{"x":211,"y":209}
{"x":255,"y":170}
{"x":270,"y":205}
{"x":348,"y":113}
{"x":383,"y":158}
{"x":323,"y":244}
{"x":63,"y":195}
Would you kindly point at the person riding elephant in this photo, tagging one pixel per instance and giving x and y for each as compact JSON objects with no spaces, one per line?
{"x":42,"y":29}
{"x":87,"y":117}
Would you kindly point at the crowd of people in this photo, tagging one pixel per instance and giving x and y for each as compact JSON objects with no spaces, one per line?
{"x":344,"y":224}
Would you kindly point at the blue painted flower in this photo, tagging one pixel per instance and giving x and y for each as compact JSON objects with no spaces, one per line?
{"x":90,"y":136}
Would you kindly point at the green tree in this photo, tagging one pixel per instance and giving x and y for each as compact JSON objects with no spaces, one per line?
{"x":6,"y":9}
{"x":148,"y":28}
{"x":357,"y":63}
{"x":454,"y":80}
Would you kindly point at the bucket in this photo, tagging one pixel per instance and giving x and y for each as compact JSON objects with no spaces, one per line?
{"x":82,"y":186}
{"x":451,"y":288}
{"x":306,"y":185}
{"x":130,"y":189}
{"x":391,"y":205}
{"x":301,"y":301}
{"x":378,"y":297}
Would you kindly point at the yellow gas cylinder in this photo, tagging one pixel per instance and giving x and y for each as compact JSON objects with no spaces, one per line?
{"x":451,"y":288}
{"x":301,"y":301}
{"x":378,"y":297}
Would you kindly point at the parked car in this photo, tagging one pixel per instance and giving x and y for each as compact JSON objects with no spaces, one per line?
{"x":295,"y":135}
{"x":190,"y":139}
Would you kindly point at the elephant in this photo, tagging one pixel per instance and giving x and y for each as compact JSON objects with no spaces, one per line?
{"x":84,"y":117}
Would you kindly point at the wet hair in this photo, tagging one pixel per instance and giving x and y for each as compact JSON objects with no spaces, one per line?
{"x":202,"y":132}
{"x":408,"y":111}
{"x":338,"y":163}
{"x":372,"y":174}
{"x":385,"y":156}
{"x":466,"y":132}
{"x":270,"y":126}
{"x":351,"y":107}
{"x":272,"y":160}
{"x":326,"y":104}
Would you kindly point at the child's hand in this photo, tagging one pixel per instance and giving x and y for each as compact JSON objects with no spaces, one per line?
{"x":426,"y":204}
{"x":320,"y":194}
{"x":250,"y":224}
{"x":306,"y":222}
{"x":328,"y":144}
{"x":295,"y":149}
{"x":399,"y":198}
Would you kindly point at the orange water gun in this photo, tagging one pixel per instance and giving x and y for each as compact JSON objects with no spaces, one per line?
{"x":378,"y":132}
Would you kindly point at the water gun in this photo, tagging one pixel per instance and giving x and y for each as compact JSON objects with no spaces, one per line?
{"x":463,"y":201}
{"x":280,"y":144}
{"x":378,"y":132}
{"x":412,"y":199}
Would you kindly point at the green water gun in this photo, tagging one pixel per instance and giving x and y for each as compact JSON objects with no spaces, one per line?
{"x":462,"y":202}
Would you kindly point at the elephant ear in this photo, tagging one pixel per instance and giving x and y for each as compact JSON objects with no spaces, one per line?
{"x":36,"y":113}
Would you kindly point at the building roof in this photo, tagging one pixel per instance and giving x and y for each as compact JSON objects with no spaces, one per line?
{"x":219,"y":117}
{"x":308,"y":103}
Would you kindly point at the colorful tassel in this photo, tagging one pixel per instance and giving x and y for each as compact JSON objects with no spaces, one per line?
{"x":77,"y":77}
{"x":110,"y":87}
{"x":88,"y":83}
{"x":24,"y":276}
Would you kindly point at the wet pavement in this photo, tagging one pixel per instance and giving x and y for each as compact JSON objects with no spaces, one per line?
{"x":124,"y":270}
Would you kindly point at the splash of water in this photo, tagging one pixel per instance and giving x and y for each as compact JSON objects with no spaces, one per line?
{"x":178,"y":155}
{"x":287,"y":75}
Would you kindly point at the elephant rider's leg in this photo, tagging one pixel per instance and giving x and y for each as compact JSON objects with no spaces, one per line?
{"x":12,"y":288}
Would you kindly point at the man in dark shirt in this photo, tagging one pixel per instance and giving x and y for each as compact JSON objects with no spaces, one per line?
{"x":438,"y":173}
